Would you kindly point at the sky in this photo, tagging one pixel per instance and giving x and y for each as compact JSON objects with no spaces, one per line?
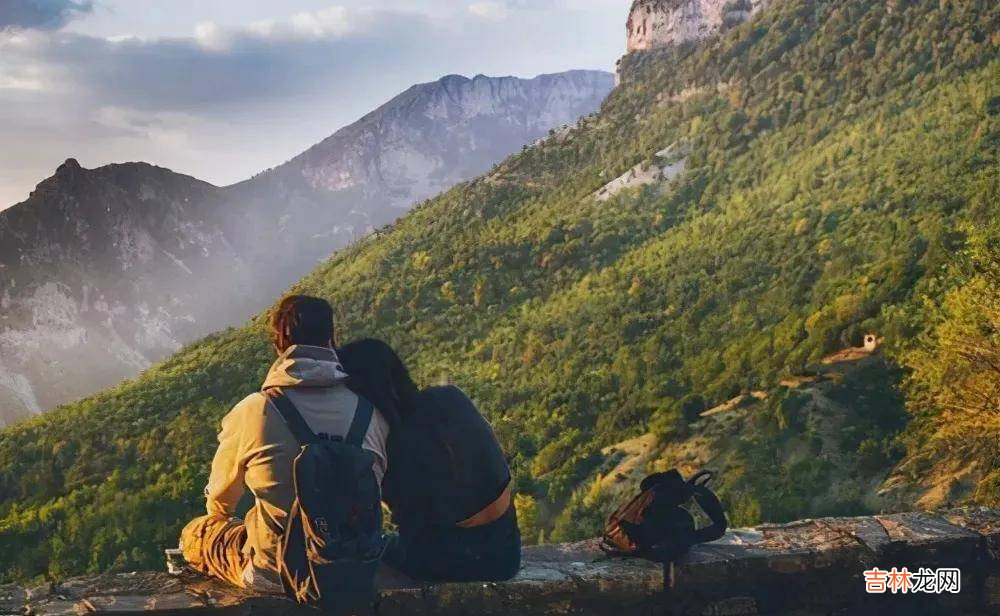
{"x":222,"y":89}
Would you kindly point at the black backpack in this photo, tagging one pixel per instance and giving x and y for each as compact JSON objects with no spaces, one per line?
{"x":655,"y":526}
{"x":333,"y":540}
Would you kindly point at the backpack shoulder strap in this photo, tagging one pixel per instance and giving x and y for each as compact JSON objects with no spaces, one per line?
{"x":293,"y":419}
{"x":710,"y":504}
{"x":359,"y":425}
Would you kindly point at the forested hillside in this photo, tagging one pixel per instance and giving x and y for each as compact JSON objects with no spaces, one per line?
{"x":837,"y":158}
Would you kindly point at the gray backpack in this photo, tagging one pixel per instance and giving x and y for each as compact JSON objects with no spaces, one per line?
{"x":333,"y":540}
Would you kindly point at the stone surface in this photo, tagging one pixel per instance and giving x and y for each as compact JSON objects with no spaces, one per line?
{"x":12,"y":599}
{"x":817,"y":565}
{"x":986,"y":523}
{"x":806,"y":567}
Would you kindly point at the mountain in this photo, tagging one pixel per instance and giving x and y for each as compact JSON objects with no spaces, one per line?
{"x":677,"y":280}
{"x":98,"y":279}
{"x":108,"y":270}
{"x":435,"y":135}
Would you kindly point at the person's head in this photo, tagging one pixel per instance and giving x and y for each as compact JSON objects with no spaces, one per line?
{"x":301,"y":319}
{"x":377,"y":373}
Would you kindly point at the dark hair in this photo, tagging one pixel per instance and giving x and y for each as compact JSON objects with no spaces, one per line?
{"x":301,"y":319}
{"x":377,"y":373}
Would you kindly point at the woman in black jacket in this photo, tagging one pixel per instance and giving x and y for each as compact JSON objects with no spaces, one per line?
{"x":448,"y":483}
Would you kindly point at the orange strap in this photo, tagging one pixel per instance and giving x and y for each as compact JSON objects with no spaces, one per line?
{"x":491,"y":513}
{"x":615,"y":538}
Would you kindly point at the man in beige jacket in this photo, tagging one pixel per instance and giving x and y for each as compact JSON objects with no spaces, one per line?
{"x":256,"y":450}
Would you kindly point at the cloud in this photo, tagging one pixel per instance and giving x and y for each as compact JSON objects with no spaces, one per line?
{"x":162,"y":129}
{"x":307,"y":54}
{"x":331,"y":22}
{"x":24,"y":79}
{"x":218,"y":65}
{"x":489,"y":10}
{"x":41,"y":14}
{"x":327,"y":24}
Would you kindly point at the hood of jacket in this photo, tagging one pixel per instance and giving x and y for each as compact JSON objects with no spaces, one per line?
{"x":306,"y":366}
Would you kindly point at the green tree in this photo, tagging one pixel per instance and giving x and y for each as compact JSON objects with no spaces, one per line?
{"x":954,"y":388}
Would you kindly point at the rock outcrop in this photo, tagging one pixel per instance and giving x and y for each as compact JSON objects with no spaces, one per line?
{"x":806,"y":568}
{"x":105,"y":271}
{"x":666,"y":166}
{"x":659,"y":23}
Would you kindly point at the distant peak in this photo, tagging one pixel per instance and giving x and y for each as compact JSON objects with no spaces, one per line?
{"x":71,"y":164}
{"x":69,"y":170}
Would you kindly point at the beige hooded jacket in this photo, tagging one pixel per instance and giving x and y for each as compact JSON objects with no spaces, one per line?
{"x":256,"y":449}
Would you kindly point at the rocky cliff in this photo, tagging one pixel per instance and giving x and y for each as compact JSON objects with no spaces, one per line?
{"x":104,"y":271}
{"x":657,"y":23}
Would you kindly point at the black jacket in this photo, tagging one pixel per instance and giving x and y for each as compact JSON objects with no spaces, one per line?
{"x":445,"y":463}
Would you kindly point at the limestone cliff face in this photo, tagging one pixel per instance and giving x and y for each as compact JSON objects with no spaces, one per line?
{"x":658,"y":23}
{"x":105,"y":271}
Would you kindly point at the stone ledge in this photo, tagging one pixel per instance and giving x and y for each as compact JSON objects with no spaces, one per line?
{"x":806,"y":567}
